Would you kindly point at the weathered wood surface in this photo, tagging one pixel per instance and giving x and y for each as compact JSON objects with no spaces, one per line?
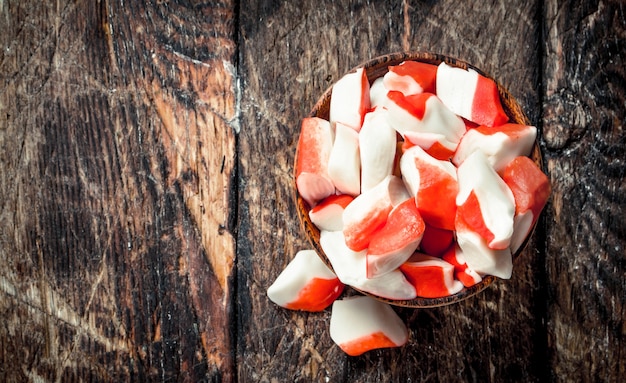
{"x":146,"y":154}
{"x":584,"y":112}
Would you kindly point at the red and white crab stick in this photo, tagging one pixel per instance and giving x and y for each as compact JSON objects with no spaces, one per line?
{"x":344,"y":162}
{"x":314,"y":146}
{"x":485,"y":204}
{"x":501,"y":144}
{"x":424,"y":120}
{"x":351,"y":269}
{"x":470,"y":95}
{"x":531,"y":189}
{"x":484,"y":219}
{"x":369,"y":211}
{"x":377,"y":148}
{"x":392,"y":245}
{"x":360,"y":324}
{"x":350,"y":99}
{"x":328,"y":214}
{"x":432,"y":277}
{"x":462,"y":272}
{"x":434,"y":185}
{"x":305,"y":284}
{"x":411,"y":77}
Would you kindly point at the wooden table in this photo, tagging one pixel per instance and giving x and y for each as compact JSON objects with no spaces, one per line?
{"x":146,"y":158}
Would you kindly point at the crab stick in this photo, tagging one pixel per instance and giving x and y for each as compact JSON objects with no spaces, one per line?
{"x":350,"y":99}
{"x":411,"y":77}
{"x":483,"y":259}
{"x":531,"y":189}
{"x":434,"y":185}
{"x":344,"y":162}
{"x":462,"y":272}
{"x":485,"y":204}
{"x":470,"y":95}
{"x":327,"y":215}
{"x":396,"y":241}
{"x":378,"y":93}
{"x":432,"y":277}
{"x":314,"y":147}
{"x":500,"y":144}
{"x":305,"y":284}
{"x":369,"y":211}
{"x":425,"y":121}
{"x":351,"y":269}
{"x":359,"y":324}
{"x":377,"y":148}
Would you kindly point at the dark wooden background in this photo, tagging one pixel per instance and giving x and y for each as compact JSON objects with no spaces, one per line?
{"x":146,"y":153}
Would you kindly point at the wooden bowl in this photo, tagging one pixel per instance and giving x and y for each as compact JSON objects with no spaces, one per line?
{"x":375,"y":68}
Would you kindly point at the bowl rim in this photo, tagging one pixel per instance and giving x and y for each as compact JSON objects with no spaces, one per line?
{"x":377,"y":67}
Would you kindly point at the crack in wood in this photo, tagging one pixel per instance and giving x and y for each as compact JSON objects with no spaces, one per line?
{"x":51,"y":304}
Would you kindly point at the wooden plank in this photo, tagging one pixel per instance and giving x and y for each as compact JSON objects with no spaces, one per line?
{"x":126,"y":190}
{"x":118,"y":156}
{"x":584,"y":114}
{"x":290,"y":53}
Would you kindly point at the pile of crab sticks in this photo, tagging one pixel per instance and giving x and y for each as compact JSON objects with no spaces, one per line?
{"x":420,"y":186}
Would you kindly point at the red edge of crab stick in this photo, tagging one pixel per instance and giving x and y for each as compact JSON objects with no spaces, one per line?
{"x":435,"y":240}
{"x":432,"y":277}
{"x":369,"y":211}
{"x":327,"y":215}
{"x":433,"y":184}
{"x":482,"y":259}
{"x":425,"y":121}
{"x":406,"y":112}
{"x":486,"y":106}
{"x":467,"y":276}
{"x":500,"y":144}
{"x":350,"y":99}
{"x":392,"y":245}
{"x":531,"y":189}
{"x":360,"y":324}
{"x":411,"y":77}
{"x":470,"y":95}
{"x":485,"y":204}
{"x":314,"y":146}
{"x":350,"y":267}
{"x":305,"y":284}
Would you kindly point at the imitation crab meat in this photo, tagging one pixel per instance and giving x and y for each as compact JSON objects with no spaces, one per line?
{"x":305,"y":284}
{"x":396,"y":241}
{"x":377,"y":149}
{"x":328,"y":214}
{"x":360,"y":324}
{"x":423,"y":120}
{"x":433,"y":184}
{"x":420,"y":187}
{"x":411,"y":77}
{"x":432,"y":277}
{"x":470,"y":95}
{"x":350,"y":99}
{"x":314,"y":146}
{"x":369,"y":211}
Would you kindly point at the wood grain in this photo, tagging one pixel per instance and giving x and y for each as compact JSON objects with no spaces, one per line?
{"x":118,"y":160}
{"x":146,"y":202}
{"x":584,"y":114}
